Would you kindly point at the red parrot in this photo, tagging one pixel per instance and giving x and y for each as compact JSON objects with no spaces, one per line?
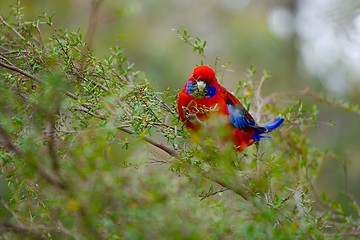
{"x":203,"y":96}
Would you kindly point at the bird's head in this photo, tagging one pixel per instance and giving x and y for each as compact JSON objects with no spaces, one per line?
{"x":204,"y":77}
{"x":202,"y":83}
{"x":204,"y":74}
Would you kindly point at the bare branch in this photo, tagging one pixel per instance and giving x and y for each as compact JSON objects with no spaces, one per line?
{"x":259,"y":99}
{"x":159,"y":145}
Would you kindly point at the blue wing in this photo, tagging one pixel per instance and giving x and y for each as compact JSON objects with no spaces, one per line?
{"x":239,"y":117}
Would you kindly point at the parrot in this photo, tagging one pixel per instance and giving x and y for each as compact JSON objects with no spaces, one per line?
{"x":202,"y":97}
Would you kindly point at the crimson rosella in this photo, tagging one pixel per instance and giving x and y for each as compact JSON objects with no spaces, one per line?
{"x":203,"y":96}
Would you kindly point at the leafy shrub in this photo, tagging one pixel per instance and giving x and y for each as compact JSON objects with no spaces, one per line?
{"x":89,"y":150}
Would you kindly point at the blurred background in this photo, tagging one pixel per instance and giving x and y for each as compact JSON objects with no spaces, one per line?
{"x":304,"y":43}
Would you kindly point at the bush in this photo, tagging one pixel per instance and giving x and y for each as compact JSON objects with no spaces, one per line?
{"x":89,"y":150}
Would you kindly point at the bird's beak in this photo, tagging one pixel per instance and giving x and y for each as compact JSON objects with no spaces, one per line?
{"x":201,"y":85}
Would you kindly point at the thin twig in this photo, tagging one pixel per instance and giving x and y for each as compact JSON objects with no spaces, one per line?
{"x":6,"y":226}
{"x":86,"y":110}
{"x":37,"y":27}
{"x":6,"y":60}
{"x":97,"y":84}
{"x":213,"y":176}
{"x":93,"y":22}
{"x":317,"y":96}
{"x":275,"y":95}
{"x":54,"y":180}
{"x":26,"y":74}
{"x":346,"y":178}
{"x":237,"y":188}
{"x":51,"y":178}
{"x":14,"y":215}
{"x":158,"y":161}
{"x":51,"y":145}
{"x":300,"y":152}
{"x":22,"y":72}
{"x":159,"y":145}
{"x":165,"y":106}
{"x":209,"y":194}
{"x":298,"y":201}
{"x":346,"y":182}
{"x":13,"y":29}
{"x":344,"y":234}
{"x":8,"y":143}
{"x":70,"y":94}
{"x":259,"y":99}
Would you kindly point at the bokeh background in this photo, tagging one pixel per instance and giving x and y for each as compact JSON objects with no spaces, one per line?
{"x":304,"y":43}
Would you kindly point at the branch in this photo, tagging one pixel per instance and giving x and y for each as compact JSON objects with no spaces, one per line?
{"x":93,"y":22}
{"x":345,"y":234}
{"x":26,"y":74}
{"x":317,"y":96}
{"x":13,"y":29}
{"x":165,"y":106}
{"x":54,"y":180}
{"x":18,"y":226}
{"x":8,"y":143}
{"x":18,"y":70}
{"x":51,"y":178}
{"x":237,"y":188}
{"x":86,"y":110}
{"x":6,"y":226}
{"x":97,"y":84}
{"x":209,"y":194}
{"x":51,"y":145}
{"x":346,"y":182}
{"x":159,"y":145}
{"x":259,"y":99}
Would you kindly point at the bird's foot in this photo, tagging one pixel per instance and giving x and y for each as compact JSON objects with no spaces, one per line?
{"x":194,"y":119}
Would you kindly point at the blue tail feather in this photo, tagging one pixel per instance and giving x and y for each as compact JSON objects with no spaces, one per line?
{"x":273,"y":124}
{"x":270,"y":126}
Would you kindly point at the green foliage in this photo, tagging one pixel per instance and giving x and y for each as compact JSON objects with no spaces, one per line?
{"x":198,"y":45}
{"x":89,"y":150}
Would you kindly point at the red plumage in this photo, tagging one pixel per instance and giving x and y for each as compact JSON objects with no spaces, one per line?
{"x":202,"y":97}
